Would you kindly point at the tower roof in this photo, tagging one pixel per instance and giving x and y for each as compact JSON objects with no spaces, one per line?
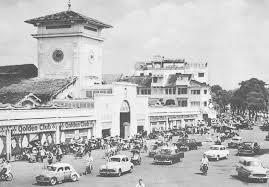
{"x":66,"y":17}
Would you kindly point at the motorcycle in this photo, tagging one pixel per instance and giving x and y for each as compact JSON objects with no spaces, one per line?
{"x":6,"y":176}
{"x":204,"y":169}
{"x":89,"y":169}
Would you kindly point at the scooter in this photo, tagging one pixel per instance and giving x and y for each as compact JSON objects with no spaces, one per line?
{"x":89,"y":169}
{"x":6,"y":176}
{"x":204,"y":169}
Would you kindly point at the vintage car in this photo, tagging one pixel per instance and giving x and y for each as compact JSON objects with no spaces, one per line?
{"x":251,"y":169}
{"x":117,"y":165}
{"x":249,"y":148}
{"x":58,"y":172}
{"x":235,"y":142}
{"x":217,"y":152}
{"x":184,"y":144}
{"x":168,"y":155}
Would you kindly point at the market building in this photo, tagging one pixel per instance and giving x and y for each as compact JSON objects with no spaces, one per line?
{"x":64,"y":99}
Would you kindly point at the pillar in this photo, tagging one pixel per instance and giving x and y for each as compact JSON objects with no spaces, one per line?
{"x":57,"y":134}
{"x":8,"y":144}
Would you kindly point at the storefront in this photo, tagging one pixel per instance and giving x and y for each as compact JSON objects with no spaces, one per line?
{"x":76,"y":131}
{"x":2,"y":141}
{"x":172,"y":121}
{"x":22,"y":136}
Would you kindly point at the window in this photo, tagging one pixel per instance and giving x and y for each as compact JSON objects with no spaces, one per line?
{"x":170,"y":91}
{"x":174,"y":91}
{"x":166,"y":91}
{"x":58,"y":27}
{"x":60,"y":169}
{"x":205,"y":91}
{"x":205,"y":103}
{"x":201,"y":74}
{"x":145,"y":91}
{"x":90,"y":28}
{"x":195,"y":92}
{"x":141,"y":74}
{"x":155,"y":79}
{"x":195,"y":103}
{"x":150,"y":74}
{"x":182,"y":91}
{"x":67,"y":168}
{"x":182,"y":103}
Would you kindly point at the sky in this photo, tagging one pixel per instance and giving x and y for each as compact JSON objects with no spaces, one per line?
{"x":230,"y":35}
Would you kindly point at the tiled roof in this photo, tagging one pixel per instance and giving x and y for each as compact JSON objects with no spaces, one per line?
{"x":141,"y":81}
{"x":67,"y":16}
{"x":14,"y":74}
{"x":44,"y":89}
{"x":199,"y":83}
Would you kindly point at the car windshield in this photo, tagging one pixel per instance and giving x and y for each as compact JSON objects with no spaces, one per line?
{"x":51,"y":168}
{"x":114,"y":159}
{"x":165,"y":151}
{"x":253,"y":163}
{"x":214,"y":148}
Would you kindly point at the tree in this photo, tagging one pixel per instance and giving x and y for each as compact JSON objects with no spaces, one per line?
{"x":221,"y":98}
{"x":251,"y":97}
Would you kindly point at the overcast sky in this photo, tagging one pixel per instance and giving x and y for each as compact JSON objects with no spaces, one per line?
{"x":231,"y":35}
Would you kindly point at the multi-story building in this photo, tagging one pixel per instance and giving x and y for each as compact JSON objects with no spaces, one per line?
{"x":174,"y":87}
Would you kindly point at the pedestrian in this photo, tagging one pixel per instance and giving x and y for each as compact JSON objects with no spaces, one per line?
{"x":140,"y":183}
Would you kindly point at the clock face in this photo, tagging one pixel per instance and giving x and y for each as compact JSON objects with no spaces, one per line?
{"x":91,"y":56}
{"x":58,"y":55}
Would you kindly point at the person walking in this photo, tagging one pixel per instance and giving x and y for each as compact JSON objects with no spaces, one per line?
{"x":140,"y":183}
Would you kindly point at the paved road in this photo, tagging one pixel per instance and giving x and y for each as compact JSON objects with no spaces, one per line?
{"x":185,"y":173}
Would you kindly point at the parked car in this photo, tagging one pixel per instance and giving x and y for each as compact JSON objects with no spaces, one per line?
{"x":217,"y":152}
{"x":58,"y":172}
{"x":251,"y":169}
{"x":235,"y":142}
{"x":168,"y":155}
{"x":249,"y":148}
{"x":117,"y":165}
{"x":184,"y":144}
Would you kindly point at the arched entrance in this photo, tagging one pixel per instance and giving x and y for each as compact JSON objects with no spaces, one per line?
{"x":125,"y":120}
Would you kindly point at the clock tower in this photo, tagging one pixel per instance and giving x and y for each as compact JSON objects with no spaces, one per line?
{"x":69,"y":45}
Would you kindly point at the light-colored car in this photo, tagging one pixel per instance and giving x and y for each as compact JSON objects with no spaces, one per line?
{"x":251,"y":168}
{"x":235,"y":142}
{"x":217,"y":152}
{"x":117,"y":165}
{"x":58,"y":172}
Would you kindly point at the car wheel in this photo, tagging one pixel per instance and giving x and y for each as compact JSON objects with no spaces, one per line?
{"x":119,"y":173}
{"x":9,"y":177}
{"x":53,"y":181}
{"x":265,"y":180}
{"x":74,"y":178}
{"x":131,"y":169}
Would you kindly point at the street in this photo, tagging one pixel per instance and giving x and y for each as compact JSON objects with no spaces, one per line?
{"x":185,"y":173}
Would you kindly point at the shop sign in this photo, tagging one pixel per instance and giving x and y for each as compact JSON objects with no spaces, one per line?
{"x":141,"y":122}
{"x":77,"y":125}
{"x":29,"y":129}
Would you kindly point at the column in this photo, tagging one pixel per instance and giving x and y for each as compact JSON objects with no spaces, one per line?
{"x":8,"y":143}
{"x":57,"y":134}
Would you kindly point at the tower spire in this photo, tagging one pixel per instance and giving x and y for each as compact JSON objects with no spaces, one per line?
{"x":69,"y":5}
